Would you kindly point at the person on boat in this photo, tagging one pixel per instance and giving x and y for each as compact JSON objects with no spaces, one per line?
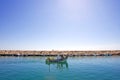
{"x":62,"y":57}
{"x":58,"y":57}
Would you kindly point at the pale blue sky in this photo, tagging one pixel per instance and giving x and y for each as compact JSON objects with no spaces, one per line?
{"x":60,"y":24}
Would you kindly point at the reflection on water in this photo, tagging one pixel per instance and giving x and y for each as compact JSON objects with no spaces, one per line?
{"x":58,"y":65}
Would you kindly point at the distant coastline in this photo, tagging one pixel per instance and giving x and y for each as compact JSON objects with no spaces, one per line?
{"x":55,"y":52}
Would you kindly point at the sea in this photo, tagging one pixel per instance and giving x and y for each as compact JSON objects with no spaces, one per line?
{"x":75,"y":68}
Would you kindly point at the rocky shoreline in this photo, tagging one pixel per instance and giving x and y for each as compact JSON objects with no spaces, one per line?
{"x":54,"y":53}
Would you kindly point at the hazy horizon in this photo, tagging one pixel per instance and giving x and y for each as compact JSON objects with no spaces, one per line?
{"x":59,"y":25}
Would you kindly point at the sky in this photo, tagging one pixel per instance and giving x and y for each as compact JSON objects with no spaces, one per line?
{"x":59,"y":24}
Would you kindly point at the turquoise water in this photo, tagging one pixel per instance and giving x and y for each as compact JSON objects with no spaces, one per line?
{"x":76,"y":68}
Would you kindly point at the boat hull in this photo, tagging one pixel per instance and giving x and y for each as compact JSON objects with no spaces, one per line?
{"x":56,"y":60}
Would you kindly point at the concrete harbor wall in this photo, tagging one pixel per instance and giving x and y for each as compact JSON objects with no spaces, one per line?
{"x":54,"y":53}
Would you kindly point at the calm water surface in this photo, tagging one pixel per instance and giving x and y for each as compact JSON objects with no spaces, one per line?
{"x":76,"y":68}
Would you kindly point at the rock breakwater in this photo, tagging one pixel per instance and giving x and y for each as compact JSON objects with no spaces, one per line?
{"x":54,"y":53}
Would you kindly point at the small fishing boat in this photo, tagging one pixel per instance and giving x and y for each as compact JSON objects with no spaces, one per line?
{"x":61,"y":64}
{"x":62,"y":59}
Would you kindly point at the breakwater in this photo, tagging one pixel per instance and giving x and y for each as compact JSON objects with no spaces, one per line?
{"x":54,"y":53}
